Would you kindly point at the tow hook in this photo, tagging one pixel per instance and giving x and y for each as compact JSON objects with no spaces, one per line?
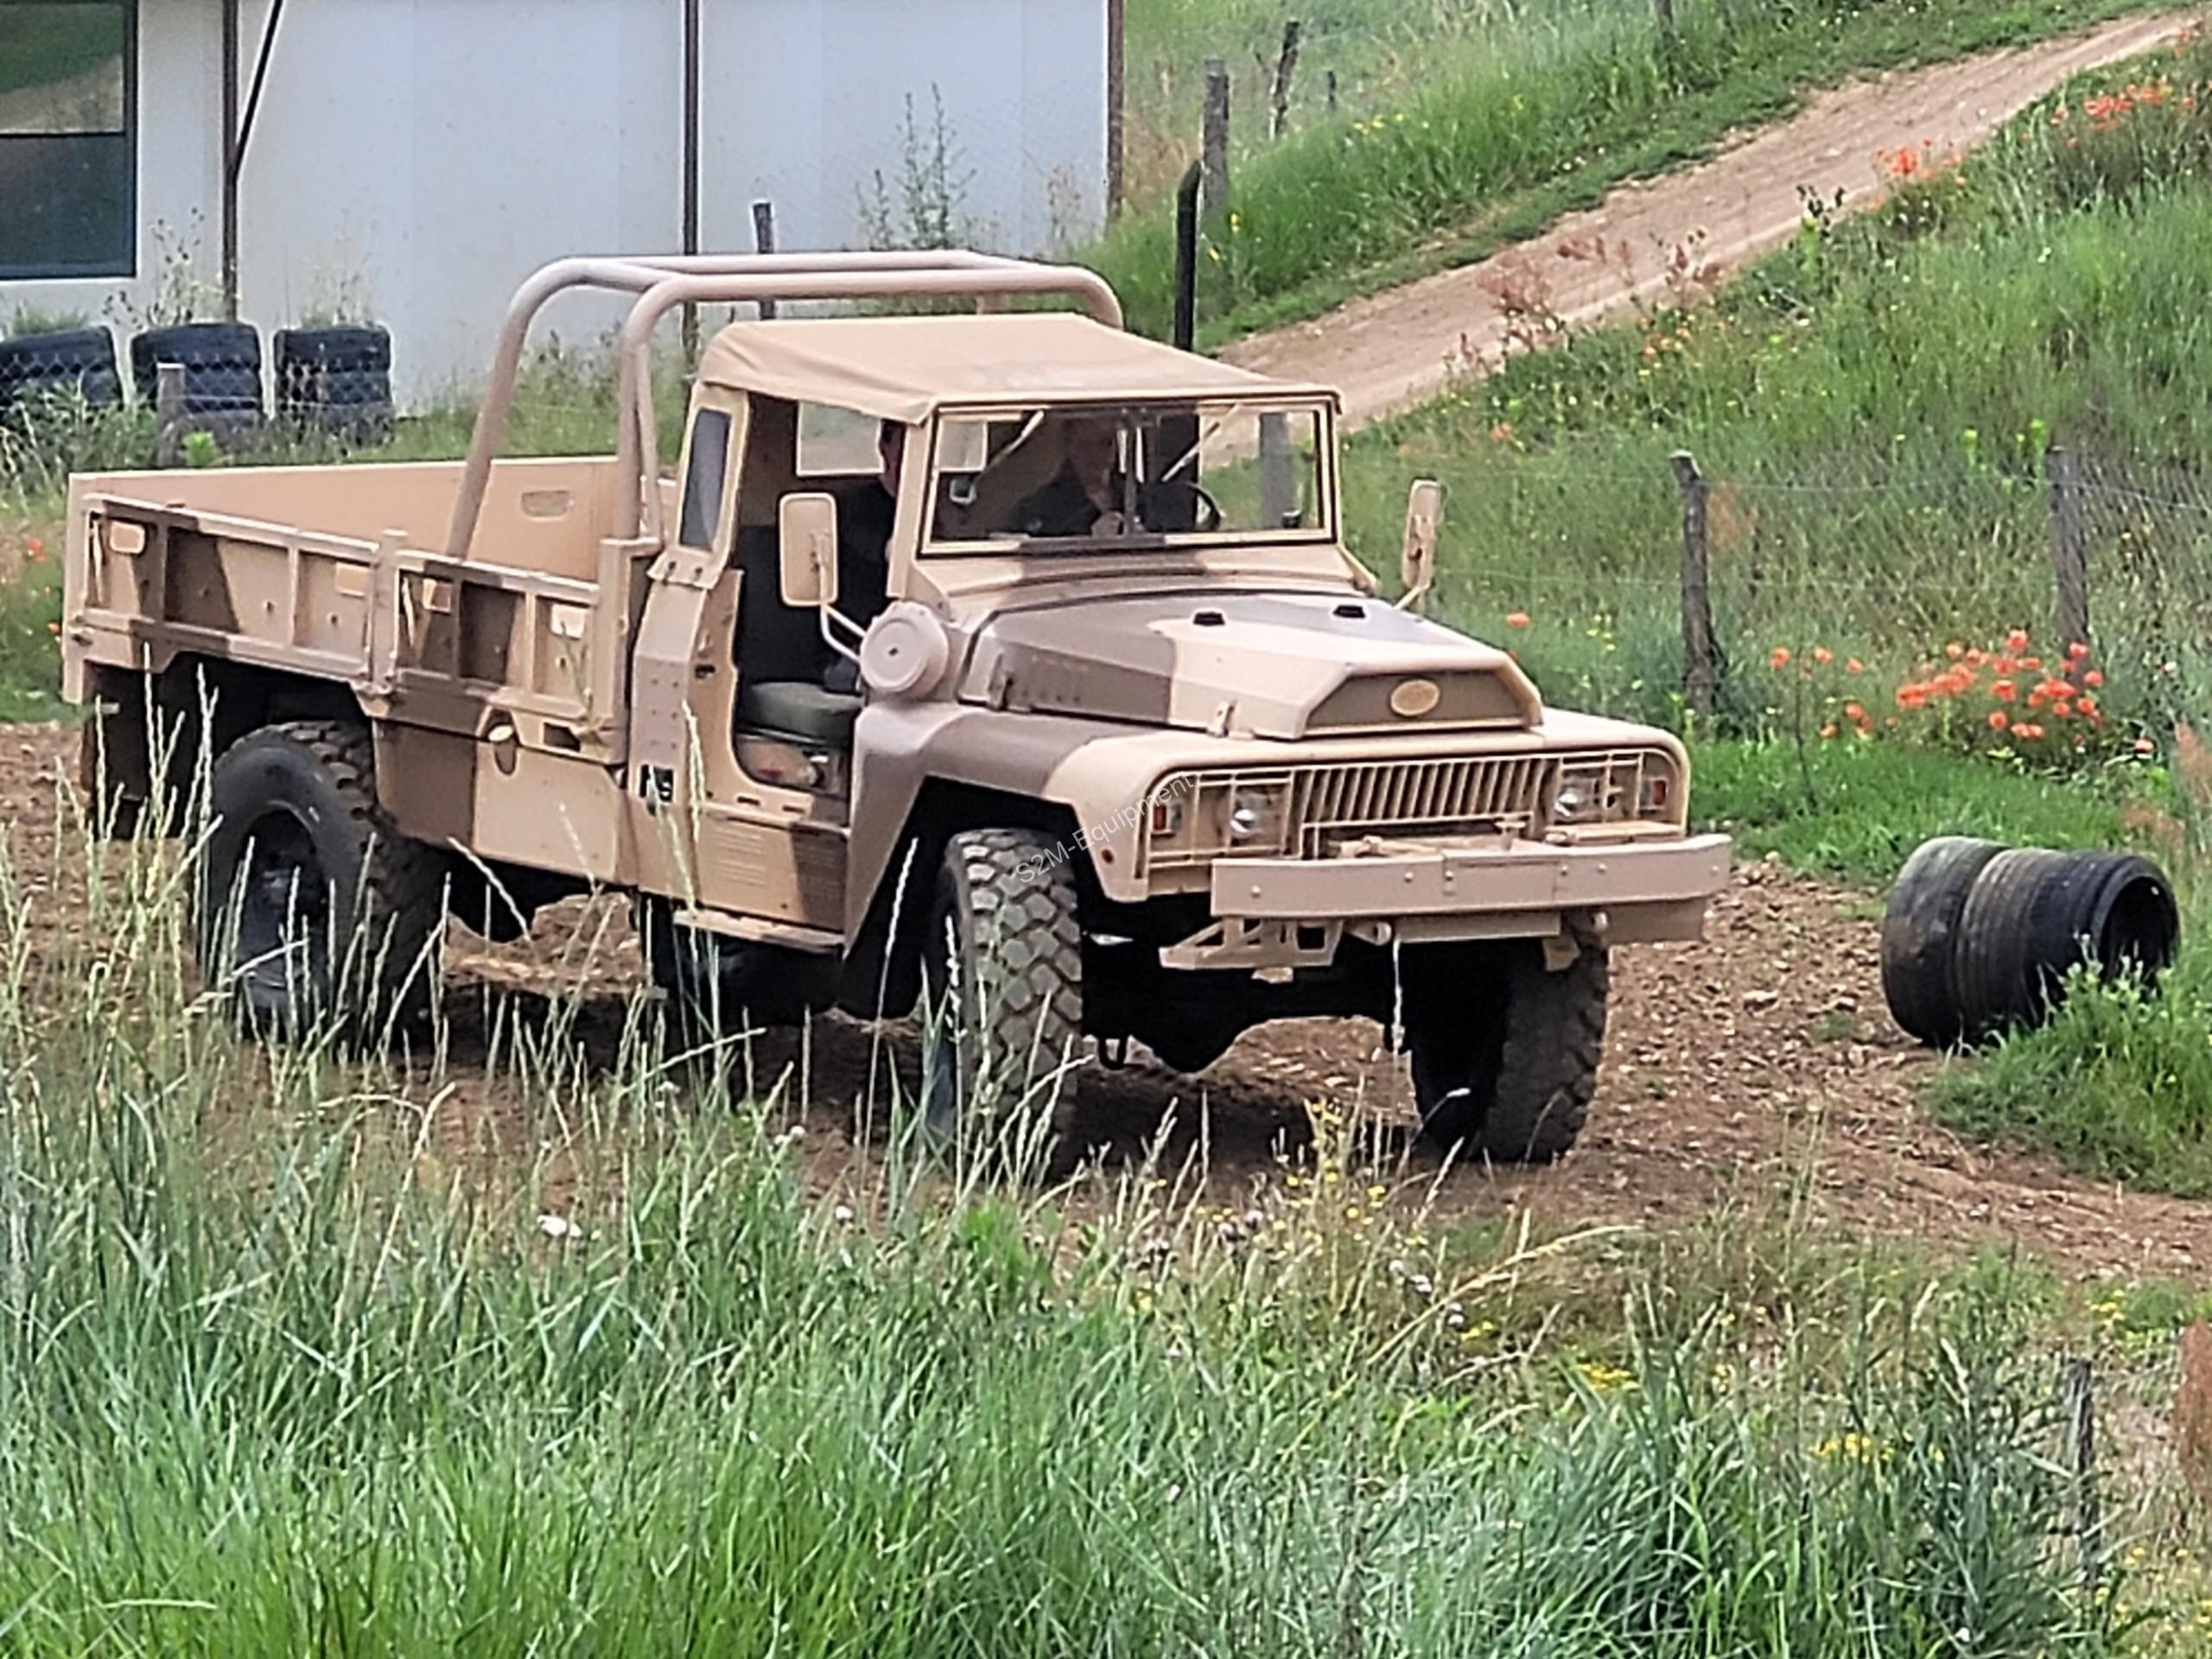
{"x":1113,"y":1052}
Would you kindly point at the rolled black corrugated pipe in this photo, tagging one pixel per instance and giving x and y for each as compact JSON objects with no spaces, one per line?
{"x":337,"y":379}
{"x":1979,"y":940}
{"x":221,"y":362}
{"x":80,"y":358}
{"x":1919,"y":931}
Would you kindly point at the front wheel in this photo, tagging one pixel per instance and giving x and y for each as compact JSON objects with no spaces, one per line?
{"x":1003,"y":995}
{"x":1506,"y":1050}
{"x":314,"y":911}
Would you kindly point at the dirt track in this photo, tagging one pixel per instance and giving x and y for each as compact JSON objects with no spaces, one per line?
{"x":1391,"y":351}
{"x":1751,"y":1067}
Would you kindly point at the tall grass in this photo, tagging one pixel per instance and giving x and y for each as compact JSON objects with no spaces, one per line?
{"x":289,"y":1364}
{"x":1515,"y":114}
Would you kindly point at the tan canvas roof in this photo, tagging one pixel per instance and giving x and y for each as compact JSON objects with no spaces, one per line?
{"x":906,"y":368}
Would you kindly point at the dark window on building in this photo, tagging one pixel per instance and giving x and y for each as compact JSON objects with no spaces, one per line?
{"x":68,"y":166}
{"x":710,"y":471}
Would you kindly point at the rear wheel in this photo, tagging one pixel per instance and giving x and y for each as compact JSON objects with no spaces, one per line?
{"x":1505,"y":1051}
{"x":1002,"y":995}
{"x":314,"y":913}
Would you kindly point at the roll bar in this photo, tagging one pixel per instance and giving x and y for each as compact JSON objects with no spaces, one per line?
{"x":663,"y":282}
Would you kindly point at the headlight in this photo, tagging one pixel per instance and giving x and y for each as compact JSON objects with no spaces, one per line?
{"x":1256,"y":817}
{"x":1614,"y":788}
{"x":1575,"y":801}
{"x":1191,"y":820}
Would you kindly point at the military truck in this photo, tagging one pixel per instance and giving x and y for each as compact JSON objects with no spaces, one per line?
{"x":994,"y":664}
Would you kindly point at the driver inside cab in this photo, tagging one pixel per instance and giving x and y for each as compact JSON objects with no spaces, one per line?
{"x":1084,"y":496}
{"x":1064,"y":479}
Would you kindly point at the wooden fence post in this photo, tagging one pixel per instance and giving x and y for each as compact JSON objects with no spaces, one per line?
{"x":1285,"y":65}
{"x":1214,"y":148}
{"x":169,"y":414}
{"x":2078,"y":1407}
{"x":2069,"y":547}
{"x":1701,"y":655}
{"x":763,"y":241}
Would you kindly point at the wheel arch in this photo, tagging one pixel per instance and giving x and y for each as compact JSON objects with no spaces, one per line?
{"x":151,"y":734}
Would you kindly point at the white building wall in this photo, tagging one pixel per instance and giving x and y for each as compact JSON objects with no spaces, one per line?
{"x":422,"y":157}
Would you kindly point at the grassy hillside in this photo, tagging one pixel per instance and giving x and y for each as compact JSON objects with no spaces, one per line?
{"x":1872,"y":409}
{"x":1487,"y":120}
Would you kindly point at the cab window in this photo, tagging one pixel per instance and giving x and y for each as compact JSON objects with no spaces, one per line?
{"x":705,"y":479}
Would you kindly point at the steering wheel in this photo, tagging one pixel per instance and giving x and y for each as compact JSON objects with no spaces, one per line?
{"x":1161,"y":497}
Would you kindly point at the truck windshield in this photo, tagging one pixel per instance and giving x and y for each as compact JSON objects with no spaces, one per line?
{"x":1072,"y":480}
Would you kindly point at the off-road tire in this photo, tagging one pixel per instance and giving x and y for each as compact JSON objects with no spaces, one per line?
{"x":295,"y":809}
{"x":1510,"y":1077}
{"x":1002,"y":997}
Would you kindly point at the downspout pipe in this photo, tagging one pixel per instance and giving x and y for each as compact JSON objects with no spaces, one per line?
{"x":238,"y":133}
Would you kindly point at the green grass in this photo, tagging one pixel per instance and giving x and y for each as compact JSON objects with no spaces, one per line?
{"x":2118,"y":1082}
{"x":274,"y":1381}
{"x":1871,"y":407}
{"x":30,"y":666}
{"x":1856,"y":810}
{"x":1511,"y":117}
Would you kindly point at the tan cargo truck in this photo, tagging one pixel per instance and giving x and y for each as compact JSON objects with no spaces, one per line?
{"x":1004,"y":666}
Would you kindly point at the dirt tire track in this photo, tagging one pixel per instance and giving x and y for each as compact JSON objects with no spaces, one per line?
{"x":1758,"y":1069}
{"x":1393,"y":350}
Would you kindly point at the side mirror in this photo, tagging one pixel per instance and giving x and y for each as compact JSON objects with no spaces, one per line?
{"x":807,"y":525}
{"x":1417,"y":563}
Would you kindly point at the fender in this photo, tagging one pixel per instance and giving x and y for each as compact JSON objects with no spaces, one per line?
{"x":1099,"y":771}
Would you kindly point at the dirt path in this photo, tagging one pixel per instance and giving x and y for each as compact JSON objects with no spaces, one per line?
{"x":1757,"y":1070}
{"x":1393,"y":350}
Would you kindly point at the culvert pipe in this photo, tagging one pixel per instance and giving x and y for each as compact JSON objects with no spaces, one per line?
{"x":1979,"y":939}
{"x":1920,"y":930}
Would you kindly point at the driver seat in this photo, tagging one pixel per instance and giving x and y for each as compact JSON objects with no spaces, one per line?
{"x":781,"y":657}
{"x":804,"y":710}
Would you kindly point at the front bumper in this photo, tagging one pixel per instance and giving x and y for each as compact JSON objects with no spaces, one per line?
{"x":1518,"y":887}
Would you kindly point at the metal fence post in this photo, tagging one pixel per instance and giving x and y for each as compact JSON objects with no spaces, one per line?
{"x":1664,"y":10}
{"x":1286,"y":65}
{"x":763,"y":241}
{"x":1701,"y":654}
{"x":1214,"y":147}
{"x":2069,"y":547}
{"x":2078,"y":1404}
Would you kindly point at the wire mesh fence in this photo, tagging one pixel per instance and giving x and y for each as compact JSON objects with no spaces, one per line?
{"x":1674,"y":589}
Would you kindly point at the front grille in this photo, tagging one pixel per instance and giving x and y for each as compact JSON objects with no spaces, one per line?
{"x":1406,"y":797}
{"x":1332,"y":803}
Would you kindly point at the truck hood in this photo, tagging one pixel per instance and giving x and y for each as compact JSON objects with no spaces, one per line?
{"x":1282,"y":666}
